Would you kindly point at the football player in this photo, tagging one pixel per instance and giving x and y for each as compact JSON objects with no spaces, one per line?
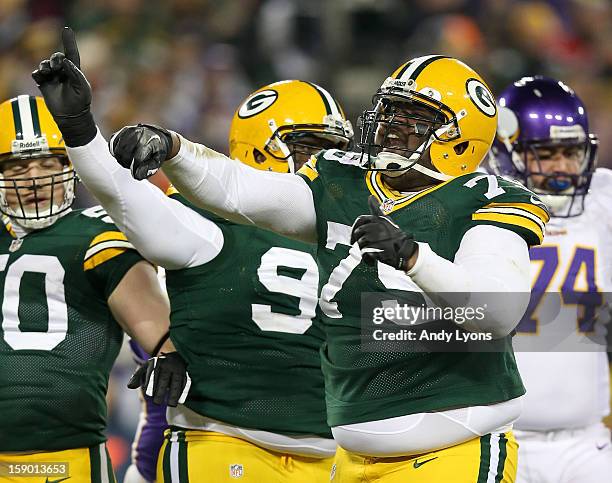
{"x":544,"y":141}
{"x":243,"y":302}
{"x":441,"y":228}
{"x":149,"y":435}
{"x":69,"y":282}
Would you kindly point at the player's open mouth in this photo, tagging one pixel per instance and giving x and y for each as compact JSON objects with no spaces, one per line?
{"x":32,"y":200}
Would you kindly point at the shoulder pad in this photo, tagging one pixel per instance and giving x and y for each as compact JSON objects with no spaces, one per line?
{"x":493,"y":187}
{"x":508,"y":203}
{"x":97,"y":212}
{"x":601,"y":181}
{"x":106,"y":241}
{"x":600,"y":192}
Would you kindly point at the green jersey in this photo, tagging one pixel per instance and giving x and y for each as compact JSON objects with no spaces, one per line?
{"x":59,"y":339}
{"x":245,"y":324}
{"x":366,"y":386}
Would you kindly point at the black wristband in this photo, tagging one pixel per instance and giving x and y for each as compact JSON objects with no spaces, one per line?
{"x":409,"y":246}
{"x":77,"y":130}
{"x":158,"y":346}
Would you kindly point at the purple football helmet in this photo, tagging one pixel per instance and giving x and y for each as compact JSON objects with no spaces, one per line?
{"x":541,"y":115}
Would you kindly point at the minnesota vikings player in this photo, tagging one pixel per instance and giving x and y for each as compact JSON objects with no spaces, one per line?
{"x":149,"y":434}
{"x":544,"y":141}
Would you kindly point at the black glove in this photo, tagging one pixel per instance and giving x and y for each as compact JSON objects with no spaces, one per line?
{"x":382,"y":240}
{"x":67,"y":92}
{"x":141,"y":148}
{"x":163,"y":375}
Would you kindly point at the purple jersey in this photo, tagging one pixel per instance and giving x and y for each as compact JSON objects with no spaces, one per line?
{"x":150,"y":432}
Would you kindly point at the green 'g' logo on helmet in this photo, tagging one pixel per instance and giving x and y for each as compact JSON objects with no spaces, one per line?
{"x":481,"y":97}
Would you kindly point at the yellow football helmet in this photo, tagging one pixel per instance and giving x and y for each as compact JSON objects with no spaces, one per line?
{"x":433,"y":105}
{"x":284,"y":119}
{"x":30,"y":133}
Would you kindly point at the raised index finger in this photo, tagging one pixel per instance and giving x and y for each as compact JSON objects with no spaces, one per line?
{"x":71,"y":51}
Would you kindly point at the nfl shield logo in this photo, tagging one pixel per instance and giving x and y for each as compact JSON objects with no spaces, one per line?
{"x":387,"y":205}
{"x":236,"y":471}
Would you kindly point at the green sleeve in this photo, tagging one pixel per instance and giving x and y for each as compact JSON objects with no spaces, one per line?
{"x":108,"y":258}
{"x":309,"y":172}
{"x":509,"y":205}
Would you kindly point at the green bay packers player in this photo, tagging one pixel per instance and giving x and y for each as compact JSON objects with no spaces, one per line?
{"x":69,"y":281}
{"x":399,"y":416}
{"x":243,"y":303}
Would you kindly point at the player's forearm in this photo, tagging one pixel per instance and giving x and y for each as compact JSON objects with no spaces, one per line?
{"x":140,"y":305}
{"x":276,"y":201}
{"x":163,"y":230}
{"x":148,"y":331}
{"x":491,"y":270}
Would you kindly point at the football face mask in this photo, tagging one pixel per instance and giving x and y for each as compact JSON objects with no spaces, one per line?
{"x":279,"y":126}
{"x":400,"y":133}
{"x":543,"y":140}
{"x":301,"y":145}
{"x":555,"y":168}
{"x":434,"y":115}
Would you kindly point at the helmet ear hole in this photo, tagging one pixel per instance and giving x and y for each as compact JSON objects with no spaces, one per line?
{"x":258,"y":156}
{"x":461,"y":147}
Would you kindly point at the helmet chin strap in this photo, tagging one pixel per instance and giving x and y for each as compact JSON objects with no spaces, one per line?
{"x":282,"y":146}
{"x":393,"y":157}
{"x":412,"y":160}
{"x":421,"y":169}
{"x":32,"y":223}
{"x":385,"y":158}
{"x":431,"y":173}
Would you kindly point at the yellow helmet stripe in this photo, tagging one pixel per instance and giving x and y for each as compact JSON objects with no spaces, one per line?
{"x":412,"y":69}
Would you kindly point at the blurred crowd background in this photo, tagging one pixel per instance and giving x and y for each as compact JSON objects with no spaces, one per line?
{"x":187,"y":64}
